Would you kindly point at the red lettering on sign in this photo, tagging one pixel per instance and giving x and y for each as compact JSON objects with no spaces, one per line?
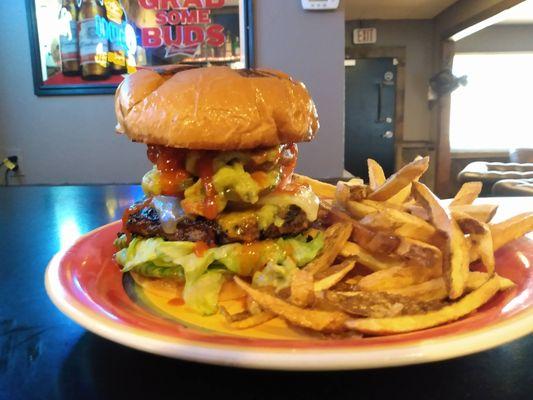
{"x":214,"y":3}
{"x":149,"y":4}
{"x":204,"y":16}
{"x":189,"y":17}
{"x":172,"y":35}
{"x":161,"y":17}
{"x":151,"y":37}
{"x":192,"y":35}
{"x":215,"y":35}
{"x":190,"y":3}
{"x":174,"y":17}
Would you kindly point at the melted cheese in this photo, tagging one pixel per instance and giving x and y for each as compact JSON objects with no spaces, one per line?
{"x":304,"y":198}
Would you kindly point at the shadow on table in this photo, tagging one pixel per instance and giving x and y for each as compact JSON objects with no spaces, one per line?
{"x":99,"y":369}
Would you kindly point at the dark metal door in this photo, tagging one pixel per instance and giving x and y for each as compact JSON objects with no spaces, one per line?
{"x":370,"y":102}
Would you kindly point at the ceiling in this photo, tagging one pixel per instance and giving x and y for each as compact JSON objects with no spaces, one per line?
{"x":394,"y":9}
{"x":518,"y":15}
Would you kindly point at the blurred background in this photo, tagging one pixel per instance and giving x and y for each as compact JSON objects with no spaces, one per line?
{"x":392,"y":79}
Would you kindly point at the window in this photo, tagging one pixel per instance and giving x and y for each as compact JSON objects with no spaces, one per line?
{"x":495,"y":110}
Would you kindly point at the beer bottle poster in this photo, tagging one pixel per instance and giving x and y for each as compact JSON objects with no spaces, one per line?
{"x":88,"y":46}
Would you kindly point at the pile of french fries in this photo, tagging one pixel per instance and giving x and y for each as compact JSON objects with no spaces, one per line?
{"x":395,"y":259}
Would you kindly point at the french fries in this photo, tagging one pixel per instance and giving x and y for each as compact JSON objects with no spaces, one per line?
{"x":394,"y":258}
{"x":481,"y":212}
{"x":408,"y":323}
{"x":400,"y":179}
{"x":327,"y":321}
{"x":467,"y":194}
{"x":336,"y":237}
{"x":376,"y":176}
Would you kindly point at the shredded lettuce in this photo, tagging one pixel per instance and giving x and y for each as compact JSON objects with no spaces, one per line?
{"x":271,"y":263}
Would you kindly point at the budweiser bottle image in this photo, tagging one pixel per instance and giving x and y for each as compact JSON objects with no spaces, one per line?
{"x":68,"y":38}
{"x":117,"y":54}
{"x":93,"y":48}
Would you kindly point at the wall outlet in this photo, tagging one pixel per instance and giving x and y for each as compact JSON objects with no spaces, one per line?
{"x":10,"y":151}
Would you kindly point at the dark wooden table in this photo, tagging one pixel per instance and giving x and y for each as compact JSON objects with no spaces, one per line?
{"x":43,"y":355}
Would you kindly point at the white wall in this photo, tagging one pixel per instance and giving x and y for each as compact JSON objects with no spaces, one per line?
{"x":416,"y":36}
{"x":72,"y":140}
{"x":310,"y":46}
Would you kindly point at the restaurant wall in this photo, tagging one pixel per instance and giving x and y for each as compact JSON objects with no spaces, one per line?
{"x":72,"y":140}
{"x":416,"y":36}
{"x":498,"y":38}
{"x":310,"y":46}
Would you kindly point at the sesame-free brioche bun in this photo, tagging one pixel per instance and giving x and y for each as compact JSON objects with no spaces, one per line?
{"x":215,"y":108}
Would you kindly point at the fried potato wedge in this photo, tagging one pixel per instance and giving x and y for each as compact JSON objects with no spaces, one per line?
{"x":511,"y":229}
{"x":336,"y":237}
{"x":376,"y":176}
{"x":397,"y":277}
{"x":333,"y":275}
{"x":369,"y":260}
{"x":318,"y":320}
{"x":480,"y":237}
{"x":321,"y":189}
{"x":350,"y":192}
{"x":246,"y":320}
{"x":481,"y":212}
{"x":400,"y":179}
{"x":302,"y":288}
{"x":359,"y":210}
{"x":416,"y":252}
{"x":435,"y":289}
{"x":467,"y":194}
{"x":401,"y":223}
{"x":409,"y":323}
{"x":378,"y":304}
{"x":454,"y":246}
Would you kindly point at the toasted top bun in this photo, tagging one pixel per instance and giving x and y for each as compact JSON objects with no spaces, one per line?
{"x":215,"y":108}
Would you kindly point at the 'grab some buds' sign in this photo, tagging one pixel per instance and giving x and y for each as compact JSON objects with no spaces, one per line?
{"x":182,"y":24}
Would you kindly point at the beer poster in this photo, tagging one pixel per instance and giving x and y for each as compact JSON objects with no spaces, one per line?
{"x":88,"y":46}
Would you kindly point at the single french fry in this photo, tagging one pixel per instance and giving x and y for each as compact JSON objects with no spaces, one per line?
{"x":302,"y":288}
{"x":467,"y":194}
{"x":454,"y":246}
{"x":376,"y":176}
{"x":333,"y":275}
{"x":321,"y":189}
{"x":401,"y":223}
{"x":253,"y":320}
{"x":480,"y":237}
{"x":419,"y":253}
{"x":350,"y":192}
{"x":481,"y":212}
{"x":435,"y":289}
{"x":369,"y":260}
{"x":336,"y":237}
{"x":359,"y":210}
{"x":397,"y":277}
{"x":400,"y":179}
{"x":511,"y":229}
{"x":325,"y":321}
{"x":409,"y":323}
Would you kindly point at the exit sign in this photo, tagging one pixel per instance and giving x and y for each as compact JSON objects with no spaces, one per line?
{"x":365,"y":35}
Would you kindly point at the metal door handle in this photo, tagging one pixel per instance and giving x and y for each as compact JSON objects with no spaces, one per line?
{"x":388,"y":135}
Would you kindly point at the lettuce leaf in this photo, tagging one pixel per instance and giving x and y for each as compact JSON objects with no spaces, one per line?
{"x":272,"y":263}
{"x":202,"y":293}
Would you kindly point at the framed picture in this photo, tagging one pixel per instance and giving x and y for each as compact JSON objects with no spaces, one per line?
{"x":88,"y":46}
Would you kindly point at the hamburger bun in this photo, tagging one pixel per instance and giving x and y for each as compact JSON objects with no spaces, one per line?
{"x":215,"y":108}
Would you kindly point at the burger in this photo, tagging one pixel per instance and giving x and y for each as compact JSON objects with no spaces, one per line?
{"x":220,"y":199}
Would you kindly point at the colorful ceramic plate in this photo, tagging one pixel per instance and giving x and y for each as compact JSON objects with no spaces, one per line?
{"x":86,"y":285}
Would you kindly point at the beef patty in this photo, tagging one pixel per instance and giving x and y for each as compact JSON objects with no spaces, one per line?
{"x":145,"y":222}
